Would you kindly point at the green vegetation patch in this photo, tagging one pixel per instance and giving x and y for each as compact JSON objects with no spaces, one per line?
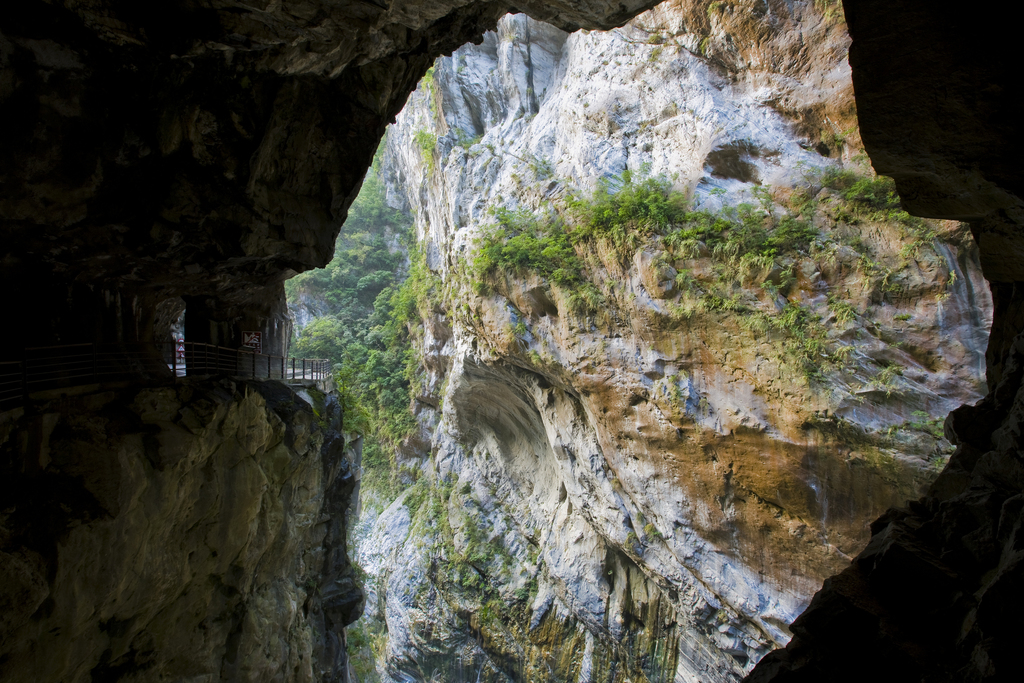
{"x":625,"y":211}
{"x":756,"y":244}
{"x":426,"y":142}
{"x":373,"y":289}
{"x":523,"y":242}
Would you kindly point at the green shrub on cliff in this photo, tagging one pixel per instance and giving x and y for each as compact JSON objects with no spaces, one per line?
{"x":523,"y":242}
{"x":426,"y":142}
{"x":625,"y":211}
{"x":384,"y":369}
{"x":755,"y":250}
{"x":873,"y":198}
{"x":747,"y":236}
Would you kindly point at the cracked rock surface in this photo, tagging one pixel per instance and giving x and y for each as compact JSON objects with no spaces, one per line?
{"x":194,"y":532}
{"x":648,"y":491}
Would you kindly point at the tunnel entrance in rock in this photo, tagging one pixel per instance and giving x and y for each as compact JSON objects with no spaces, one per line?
{"x":169,"y":324}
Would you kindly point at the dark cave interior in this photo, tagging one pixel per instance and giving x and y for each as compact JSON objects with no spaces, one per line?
{"x":209,"y":150}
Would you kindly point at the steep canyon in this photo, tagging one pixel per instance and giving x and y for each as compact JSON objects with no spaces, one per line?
{"x":573,"y":434}
{"x":646,"y":468}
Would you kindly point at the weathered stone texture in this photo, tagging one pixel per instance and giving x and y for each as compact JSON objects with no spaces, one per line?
{"x":934,"y":594}
{"x":188,"y":532}
{"x":206,"y":149}
{"x":675,"y":486}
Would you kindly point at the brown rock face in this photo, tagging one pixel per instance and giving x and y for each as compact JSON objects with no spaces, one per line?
{"x":935,"y":594}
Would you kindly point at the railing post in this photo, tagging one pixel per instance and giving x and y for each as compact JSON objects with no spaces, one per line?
{"x":95,"y":374}
{"x":268,"y":367}
{"x":303,"y":368}
{"x":24,"y":379}
{"x":293,"y":367}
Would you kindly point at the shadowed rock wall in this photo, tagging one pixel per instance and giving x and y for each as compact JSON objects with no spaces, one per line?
{"x":194,"y":532}
{"x":934,"y":596}
{"x":204,"y":149}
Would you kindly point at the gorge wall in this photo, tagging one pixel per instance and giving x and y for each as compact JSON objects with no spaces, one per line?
{"x":193,"y":532}
{"x":930,"y":595}
{"x":647,"y":469}
{"x":265,"y":116}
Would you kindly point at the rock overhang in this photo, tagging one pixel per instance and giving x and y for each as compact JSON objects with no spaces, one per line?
{"x":204,"y":149}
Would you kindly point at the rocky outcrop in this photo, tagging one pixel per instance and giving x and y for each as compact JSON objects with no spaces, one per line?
{"x":932,"y":594}
{"x":186,"y":532}
{"x":939,"y":106}
{"x":206,"y":151}
{"x":654,"y":487}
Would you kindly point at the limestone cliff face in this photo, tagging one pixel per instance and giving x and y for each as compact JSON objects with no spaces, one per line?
{"x":193,"y":532}
{"x":933,"y":591}
{"x":303,"y":308}
{"x":656,"y":487}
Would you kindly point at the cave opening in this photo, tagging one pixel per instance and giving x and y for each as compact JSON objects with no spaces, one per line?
{"x":498,"y":160}
{"x":612,"y":438}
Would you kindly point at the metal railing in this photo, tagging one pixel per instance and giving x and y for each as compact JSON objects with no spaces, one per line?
{"x":11,"y":391}
{"x":203,"y":359}
{"x":55,"y":367}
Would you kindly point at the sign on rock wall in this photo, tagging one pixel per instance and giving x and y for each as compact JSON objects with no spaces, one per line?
{"x":253,"y":340}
